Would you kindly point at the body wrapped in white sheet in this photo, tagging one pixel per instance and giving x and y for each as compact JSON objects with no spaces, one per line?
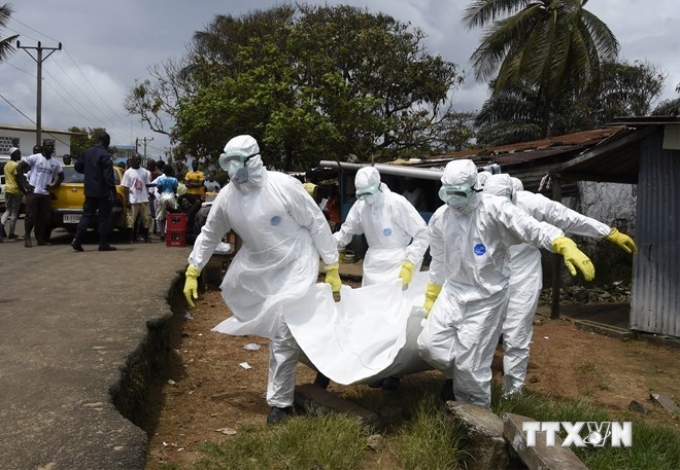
{"x":370,"y":333}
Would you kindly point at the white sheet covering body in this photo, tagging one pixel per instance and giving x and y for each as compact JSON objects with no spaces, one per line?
{"x":369,"y":334}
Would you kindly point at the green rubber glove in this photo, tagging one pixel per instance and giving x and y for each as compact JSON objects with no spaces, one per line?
{"x":406,"y":273}
{"x":431,"y":293}
{"x":574,"y":258}
{"x":191,"y":285}
{"x":622,"y":240}
{"x":333,"y":276}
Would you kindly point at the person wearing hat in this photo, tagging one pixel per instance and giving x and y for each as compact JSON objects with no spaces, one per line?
{"x":13,"y":194}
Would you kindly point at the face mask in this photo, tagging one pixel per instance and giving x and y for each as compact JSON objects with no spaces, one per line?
{"x":236,"y":166}
{"x":369,"y":195}
{"x":456,"y":196}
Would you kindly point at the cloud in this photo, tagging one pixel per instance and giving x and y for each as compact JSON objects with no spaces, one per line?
{"x":109,"y":45}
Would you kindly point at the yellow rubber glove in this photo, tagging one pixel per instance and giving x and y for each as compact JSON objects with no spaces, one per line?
{"x":574,"y":258}
{"x":406,"y":273}
{"x":191,"y":285}
{"x":622,"y":240}
{"x":333,"y":276}
{"x":431,"y":293}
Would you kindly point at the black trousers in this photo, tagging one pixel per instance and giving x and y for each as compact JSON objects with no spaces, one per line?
{"x":38,"y":215}
{"x":93,"y":207}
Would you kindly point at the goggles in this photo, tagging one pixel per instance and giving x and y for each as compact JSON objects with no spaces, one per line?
{"x":364,"y":193}
{"x":459,"y":191}
{"x":234,"y":159}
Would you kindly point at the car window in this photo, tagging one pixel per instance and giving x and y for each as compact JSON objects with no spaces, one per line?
{"x":72,"y":176}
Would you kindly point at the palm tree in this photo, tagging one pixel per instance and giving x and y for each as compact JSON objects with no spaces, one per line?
{"x":556,"y":46}
{"x":6,"y":47}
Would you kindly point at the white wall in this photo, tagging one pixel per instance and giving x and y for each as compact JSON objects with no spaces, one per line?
{"x":62,"y":142}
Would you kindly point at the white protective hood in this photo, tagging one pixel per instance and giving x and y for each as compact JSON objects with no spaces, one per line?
{"x":283,"y":232}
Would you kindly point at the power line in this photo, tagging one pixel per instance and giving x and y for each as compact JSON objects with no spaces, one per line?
{"x":39,"y":59}
{"x":93,"y":88}
{"x":116,"y":116}
{"x":68,"y":102}
{"x":17,"y":109}
{"x":33,"y":122}
{"x":34,"y":30}
{"x":20,"y":70}
{"x":75,"y":100}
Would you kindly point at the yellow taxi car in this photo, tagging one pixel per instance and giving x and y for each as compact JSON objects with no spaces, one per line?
{"x":68,"y":199}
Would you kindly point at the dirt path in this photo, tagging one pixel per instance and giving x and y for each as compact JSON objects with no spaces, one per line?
{"x":211,"y":390}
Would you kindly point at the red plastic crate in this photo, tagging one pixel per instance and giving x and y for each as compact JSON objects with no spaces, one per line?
{"x":176,"y":238}
{"x":176,"y":221}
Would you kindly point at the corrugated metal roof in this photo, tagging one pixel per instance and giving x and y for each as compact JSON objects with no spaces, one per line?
{"x":530,"y":161}
{"x":526,"y":152}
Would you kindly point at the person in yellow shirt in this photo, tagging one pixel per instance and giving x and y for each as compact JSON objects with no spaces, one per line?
{"x":194,"y":182}
{"x":13,"y":194}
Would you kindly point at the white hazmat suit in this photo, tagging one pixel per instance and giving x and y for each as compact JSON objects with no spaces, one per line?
{"x":284,"y":233}
{"x":396,"y":233}
{"x":526,"y":279}
{"x":469,"y":241}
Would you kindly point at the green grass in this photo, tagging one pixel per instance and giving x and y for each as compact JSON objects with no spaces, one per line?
{"x":655,"y":446}
{"x":418,"y":436}
{"x":324,"y":441}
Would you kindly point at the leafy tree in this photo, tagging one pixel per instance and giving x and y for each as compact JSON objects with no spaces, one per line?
{"x":156,"y":100}
{"x":6,"y":47}
{"x":628,"y":90}
{"x":87,"y":138}
{"x":513,"y":115}
{"x":669,"y":107}
{"x":309,"y":83}
{"x":554,"y":46}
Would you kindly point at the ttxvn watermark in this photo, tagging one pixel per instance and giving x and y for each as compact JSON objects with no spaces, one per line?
{"x":581,"y":433}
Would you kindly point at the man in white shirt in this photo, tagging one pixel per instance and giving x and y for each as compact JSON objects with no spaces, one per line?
{"x":46,"y":175}
{"x":137,"y":180}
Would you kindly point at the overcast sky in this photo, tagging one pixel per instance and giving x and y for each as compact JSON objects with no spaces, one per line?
{"x":109,"y":44}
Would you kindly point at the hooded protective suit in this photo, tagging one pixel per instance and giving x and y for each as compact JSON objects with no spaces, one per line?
{"x":284,"y":233}
{"x":469,"y":246}
{"x":394,"y":230}
{"x":526,"y":279}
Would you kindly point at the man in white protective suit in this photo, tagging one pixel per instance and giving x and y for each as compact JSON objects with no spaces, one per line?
{"x":284,"y":233}
{"x":395,"y":232}
{"x":526,"y":279}
{"x":469,"y":275}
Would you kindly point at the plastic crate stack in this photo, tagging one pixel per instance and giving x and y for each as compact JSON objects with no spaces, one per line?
{"x":176,"y":230}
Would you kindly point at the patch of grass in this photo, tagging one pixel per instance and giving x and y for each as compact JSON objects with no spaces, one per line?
{"x":655,"y":446}
{"x":587,"y":367}
{"x":602,"y":385}
{"x":420,"y":436}
{"x":306,"y":442}
{"x":429,"y":440}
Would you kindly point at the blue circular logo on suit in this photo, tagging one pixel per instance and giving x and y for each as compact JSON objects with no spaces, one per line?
{"x":479,"y":249}
{"x":387,"y":231}
{"x":276,"y":220}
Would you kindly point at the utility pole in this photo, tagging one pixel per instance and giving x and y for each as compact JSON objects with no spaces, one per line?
{"x":145,"y":141}
{"x":39,"y":60}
